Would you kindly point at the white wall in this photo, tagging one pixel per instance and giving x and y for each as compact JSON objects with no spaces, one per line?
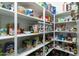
{"x":59,"y":6}
{"x":5,"y":20}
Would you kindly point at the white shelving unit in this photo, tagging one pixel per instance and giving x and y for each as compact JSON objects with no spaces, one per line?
{"x":18,"y":17}
{"x":61,"y":15}
{"x":49,"y":51}
{"x":6,"y":37}
{"x":64,"y":50}
{"x":27,"y":52}
{"x":63,"y":41}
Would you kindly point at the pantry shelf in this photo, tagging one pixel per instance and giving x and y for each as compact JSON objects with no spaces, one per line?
{"x":32,"y":50}
{"x":49,"y":42}
{"x":63,"y":14}
{"x":6,"y":37}
{"x":65,"y":32}
{"x":64,"y":50}
{"x":64,"y":41}
{"x":29,"y":18}
{"x":6,"y":12}
{"x":22,"y":35}
{"x":49,"y":51}
{"x":49,"y":32}
{"x":65,"y":22}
